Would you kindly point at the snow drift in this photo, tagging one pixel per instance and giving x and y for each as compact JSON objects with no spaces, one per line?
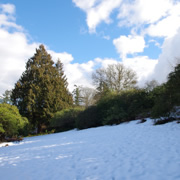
{"x":127,"y":151}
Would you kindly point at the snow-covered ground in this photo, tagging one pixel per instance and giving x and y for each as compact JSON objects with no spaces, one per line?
{"x":128,"y":151}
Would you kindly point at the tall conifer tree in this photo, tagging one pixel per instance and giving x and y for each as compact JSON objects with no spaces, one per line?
{"x":42,"y":89}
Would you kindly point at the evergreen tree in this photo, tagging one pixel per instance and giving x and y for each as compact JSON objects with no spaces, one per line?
{"x":76,"y":93}
{"x":63,"y":96}
{"x":42,"y":89}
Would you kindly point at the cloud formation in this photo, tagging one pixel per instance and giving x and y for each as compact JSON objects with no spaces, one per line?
{"x":168,"y":59}
{"x":97,"y":11}
{"x":140,"y":12}
{"x":164,"y":22}
{"x":145,"y":18}
{"x":129,"y":45}
{"x":15,"y":50}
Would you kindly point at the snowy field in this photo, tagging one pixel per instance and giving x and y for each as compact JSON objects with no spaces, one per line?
{"x":128,"y":151}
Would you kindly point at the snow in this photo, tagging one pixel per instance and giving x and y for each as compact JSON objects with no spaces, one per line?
{"x":129,"y":151}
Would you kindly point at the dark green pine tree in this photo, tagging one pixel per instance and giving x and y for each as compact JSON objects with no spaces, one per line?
{"x":41,"y":90}
{"x":63,"y":96}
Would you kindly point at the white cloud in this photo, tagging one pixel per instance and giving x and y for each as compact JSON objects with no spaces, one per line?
{"x":143,"y":11}
{"x":97,"y":11}
{"x":156,"y":43}
{"x":15,"y":50}
{"x":146,"y":17}
{"x":162,"y":17}
{"x":85,"y":4}
{"x":7,"y":22}
{"x":104,"y":62}
{"x":79,"y":74}
{"x":142,"y":65}
{"x":167,"y":59}
{"x":129,"y":45}
{"x":7,"y":19}
{"x":65,"y":57}
{"x":7,"y":8}
{"x":168,"y":26}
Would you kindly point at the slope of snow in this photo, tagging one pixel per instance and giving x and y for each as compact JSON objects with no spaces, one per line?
{"x":128,"y":151}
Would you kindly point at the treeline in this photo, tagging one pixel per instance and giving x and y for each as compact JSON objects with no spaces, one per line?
{"x":118,"y":99}
{"x":40,"y":101}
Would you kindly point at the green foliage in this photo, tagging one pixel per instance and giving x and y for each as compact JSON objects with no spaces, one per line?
{"x":42,"y":89}
{"x":1,"y":129}
{"x":167,"y":96}
{"x":77,"y":98}
{"x":173,"y":85}
{"x":126,"y":106}
{"x":162,"y":102}
{"x":11,"y":122}
{"x":65,"y":119}
{"x":88,"y":118}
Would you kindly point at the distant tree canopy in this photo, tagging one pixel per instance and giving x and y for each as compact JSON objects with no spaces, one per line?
{"x":6,"y":97}
{"x":116,"y":77}
{"x":42,"y":89}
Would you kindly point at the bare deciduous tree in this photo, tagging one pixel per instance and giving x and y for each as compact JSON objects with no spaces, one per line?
{"x":84,"y":96}
{"x":115,"y":77}
{"x":87,"y":95}
{"x":150,"y":85}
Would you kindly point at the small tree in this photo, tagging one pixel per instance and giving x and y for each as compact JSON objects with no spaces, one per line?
{"x":76,"y":94}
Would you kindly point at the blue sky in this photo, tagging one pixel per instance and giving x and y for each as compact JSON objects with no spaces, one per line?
{"x":87,"y":34}
{"x":62,"y":27}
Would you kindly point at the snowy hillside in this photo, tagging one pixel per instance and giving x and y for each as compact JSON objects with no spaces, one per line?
{"x":128,"y":151}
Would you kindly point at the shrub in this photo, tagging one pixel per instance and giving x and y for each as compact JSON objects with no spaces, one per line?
{"x":89,"y":118}
{"x":126,"y":106}
{"x":162,"y":102}
{"x":65,"y":119}
{"x":11,"y":122}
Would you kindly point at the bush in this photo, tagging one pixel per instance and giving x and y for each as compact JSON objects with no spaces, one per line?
{"x":167,"y":96}
{"x":11,"y":122}
{"x":126,"y":106}
{"x":112,"y":110}
{"x":162,"y":102}
{"x":89,"y":118}
{"x":65,"y":119}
